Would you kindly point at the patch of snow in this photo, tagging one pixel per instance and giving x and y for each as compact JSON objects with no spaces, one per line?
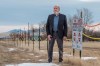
{"x":68,"y":55}
{"x":37,"y":56}
{"x":33,"y":64}
{"x":83,"y":58}
{"x":58,"y":52}
{"x":31,"y":54}
{"x":55,"y":52}
{"x":42,"y":50}
{"x":42,"y":60}
{"x":11,"y":49}
{"x":88,"y":58}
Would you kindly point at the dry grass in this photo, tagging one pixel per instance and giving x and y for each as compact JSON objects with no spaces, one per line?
{"x":25,"y":53}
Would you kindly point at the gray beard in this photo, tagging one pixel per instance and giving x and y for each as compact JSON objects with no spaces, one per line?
{"x":56,"y":13}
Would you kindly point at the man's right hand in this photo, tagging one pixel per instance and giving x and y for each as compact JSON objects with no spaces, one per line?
{"x":49,"y":37}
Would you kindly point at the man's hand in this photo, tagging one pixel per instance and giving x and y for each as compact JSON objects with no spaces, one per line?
{"x":49,"y":37}
{"x":64,"y":38}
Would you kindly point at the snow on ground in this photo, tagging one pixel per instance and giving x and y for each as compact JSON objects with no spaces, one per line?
{"x":37,"y":56}
{"x":31,"y":54}
{"x":83,"y":58}
{"x":11,"y":49}
{"x":42,"y":50}
{"x":68,"y":55}
{"x":42,"y":60}
{"x":33,"y":64}
{"x":89,"y":58}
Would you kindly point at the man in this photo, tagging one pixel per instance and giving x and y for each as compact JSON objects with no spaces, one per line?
{"x":56,"y":28}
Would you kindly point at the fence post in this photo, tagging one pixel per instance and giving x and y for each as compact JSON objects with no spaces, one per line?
{"x":33,"y":37}
{"x":25,"y":36}
{"x":28,"y":34}
{"x":39,"y":37}
{"x":17,"y":38}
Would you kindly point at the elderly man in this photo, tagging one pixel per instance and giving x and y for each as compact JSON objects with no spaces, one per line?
{"x":56,"y":29}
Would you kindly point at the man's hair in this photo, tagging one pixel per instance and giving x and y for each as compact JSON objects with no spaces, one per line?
{"x":57,"y":6}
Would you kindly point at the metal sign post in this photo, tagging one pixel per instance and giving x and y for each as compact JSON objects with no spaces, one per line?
{"x":81,"y":26}
{"x":73,"y":52}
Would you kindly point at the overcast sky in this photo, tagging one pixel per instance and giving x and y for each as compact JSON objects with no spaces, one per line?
{"x":20,"y":12}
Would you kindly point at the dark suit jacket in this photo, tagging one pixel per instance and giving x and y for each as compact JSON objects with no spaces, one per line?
{"x":62,"y":25}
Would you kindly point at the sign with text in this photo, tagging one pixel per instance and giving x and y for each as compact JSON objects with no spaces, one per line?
{"x":77,"y":31}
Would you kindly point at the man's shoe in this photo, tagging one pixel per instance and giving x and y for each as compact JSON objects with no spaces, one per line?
{"x":60,"y":61}
{"x":49,"y":61}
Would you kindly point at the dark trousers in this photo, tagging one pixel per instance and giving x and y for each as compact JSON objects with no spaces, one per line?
{"x":60,"y":47}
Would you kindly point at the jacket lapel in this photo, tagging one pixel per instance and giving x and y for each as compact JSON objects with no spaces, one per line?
{"x":53,"y":20}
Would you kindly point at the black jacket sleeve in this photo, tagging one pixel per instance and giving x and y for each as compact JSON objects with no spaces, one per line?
{"x":65,"y":26}
{"x":48,"y":26}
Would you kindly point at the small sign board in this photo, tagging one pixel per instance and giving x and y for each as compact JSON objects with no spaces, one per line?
{"x":77,"y":30}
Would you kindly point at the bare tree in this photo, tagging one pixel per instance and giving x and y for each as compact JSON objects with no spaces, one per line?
{"x":69,"y":23}
{"x":43,"y":30}
{"x":86,"y":15}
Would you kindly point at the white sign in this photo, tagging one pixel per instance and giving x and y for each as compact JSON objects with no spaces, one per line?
{"x":77,"y":34}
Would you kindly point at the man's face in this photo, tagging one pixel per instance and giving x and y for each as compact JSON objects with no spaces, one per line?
{"x":56,"y":9}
